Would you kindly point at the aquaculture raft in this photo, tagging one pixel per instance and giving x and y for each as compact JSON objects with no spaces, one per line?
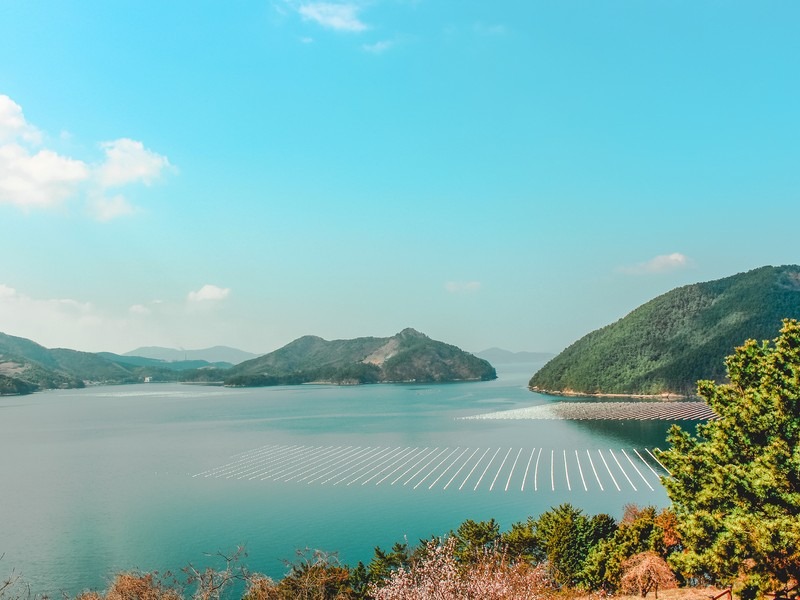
{"x":615,"y":411}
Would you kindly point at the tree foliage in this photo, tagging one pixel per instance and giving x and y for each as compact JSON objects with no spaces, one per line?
{"x":641,"y":530}
{"x":474,"y":538}
{"x":9,"y":386}
{"x":735,"y":485}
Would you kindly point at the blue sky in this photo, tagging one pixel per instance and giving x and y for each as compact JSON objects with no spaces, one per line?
{"x":510,"y":174}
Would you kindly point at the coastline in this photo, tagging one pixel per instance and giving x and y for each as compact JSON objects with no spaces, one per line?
{"x":666,"y":396}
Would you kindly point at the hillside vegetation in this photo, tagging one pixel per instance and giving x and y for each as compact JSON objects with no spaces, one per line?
{"x":406,"y":356}
{"x":668,"y":344}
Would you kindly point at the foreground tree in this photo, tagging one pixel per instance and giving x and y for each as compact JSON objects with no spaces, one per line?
{"x":566,"y":537}
{"x":642,"y":530}
{"x":735,"y":486}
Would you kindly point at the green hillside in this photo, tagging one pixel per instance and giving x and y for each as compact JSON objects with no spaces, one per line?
{"x":667,"y":344}
{"x":407,"y":356}
{"x":10,"y":386}
{"x":27,"y":361}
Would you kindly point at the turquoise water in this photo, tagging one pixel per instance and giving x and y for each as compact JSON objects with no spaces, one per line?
{"x":156,"y":476}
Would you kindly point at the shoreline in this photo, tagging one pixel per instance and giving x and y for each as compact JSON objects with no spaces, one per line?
{"x":666,"y":396}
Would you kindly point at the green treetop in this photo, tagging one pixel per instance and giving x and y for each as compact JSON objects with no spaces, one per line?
{"x":736,"y":486}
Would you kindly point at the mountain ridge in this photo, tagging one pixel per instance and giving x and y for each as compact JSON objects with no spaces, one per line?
{"x":407,"y":356}
{"x":665,"y":345}
{"x":213,"y":354}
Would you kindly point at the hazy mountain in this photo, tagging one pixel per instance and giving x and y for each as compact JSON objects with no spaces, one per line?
{"x":176,"y":365}
{"x":214,"y":354}
{"x":498,"y":356}
{"x":667,"y":344}
{"x":407,"y":356}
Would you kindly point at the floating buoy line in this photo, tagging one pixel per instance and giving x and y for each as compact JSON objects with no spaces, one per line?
{"x":496,"y":469}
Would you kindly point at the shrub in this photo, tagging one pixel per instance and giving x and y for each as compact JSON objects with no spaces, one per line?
{"x":644,"y":572}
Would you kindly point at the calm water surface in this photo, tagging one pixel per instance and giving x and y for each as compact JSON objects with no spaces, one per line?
{"x":110,"y":478}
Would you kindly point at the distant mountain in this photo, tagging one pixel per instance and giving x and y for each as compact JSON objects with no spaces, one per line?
{"x":667,"y":344}
{"x":407,"y":356}
{"x":498,"y":356}
{"x":215,"y":354}
{"x":175,"y":365}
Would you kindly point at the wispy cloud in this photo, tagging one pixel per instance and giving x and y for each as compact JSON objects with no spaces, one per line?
{"x":208,"y":293}
{"x":378,"y":47}
{"x":659,"y":264}
{"x":85,"y":325}
{"x":462,"y":287}
{"x":339,"y":17}
{"x":140,"y":309}
{"x":33,"y":177}
{"x":107,"y":209}
{"x":48,"y":321}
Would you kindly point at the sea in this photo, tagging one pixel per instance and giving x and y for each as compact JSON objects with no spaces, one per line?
{"x":160,"y":476}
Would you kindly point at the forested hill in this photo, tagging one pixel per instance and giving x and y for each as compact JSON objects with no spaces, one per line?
{"x":32,"y":366}
{"x":669,"y":343}
{"x":406,"y":356}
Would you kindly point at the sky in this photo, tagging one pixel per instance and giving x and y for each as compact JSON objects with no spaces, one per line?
{"x":510,"y":174}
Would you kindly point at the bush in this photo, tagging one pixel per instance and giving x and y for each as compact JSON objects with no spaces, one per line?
{"x":644,"y":572}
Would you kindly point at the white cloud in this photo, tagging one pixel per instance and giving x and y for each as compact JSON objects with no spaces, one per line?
{"x":33,"y":177}
{"x":128,"y":161}
{"x":208,"y":293}
{"x":42,"y":179}
{"x":378,"y":47}
{"x":13,"y":125}
{"x":659,"y":264}
{"x":341,"y":17}
{"x":461,"y":287}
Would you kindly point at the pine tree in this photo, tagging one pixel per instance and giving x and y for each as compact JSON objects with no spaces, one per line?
{"x":735,"y":486}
